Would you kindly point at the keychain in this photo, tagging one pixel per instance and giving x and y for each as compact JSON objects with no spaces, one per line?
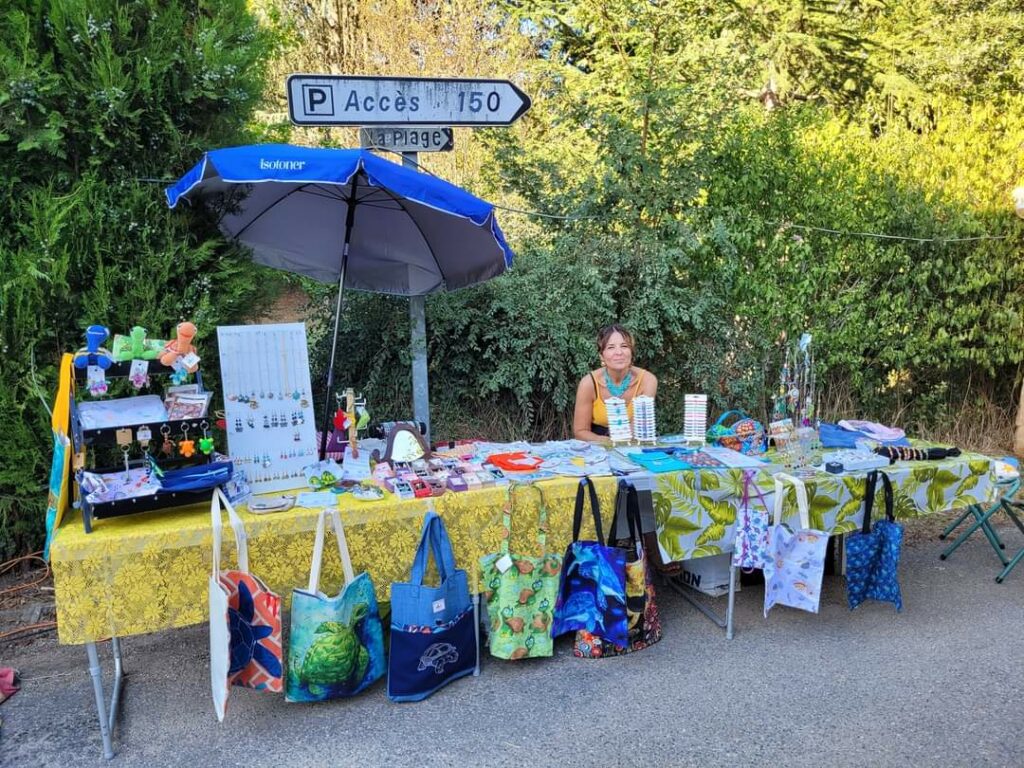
{"x":206,"y":442}
{"x":139,"y":373}
{"x":142,"y":436}
{"x":186,"y":447}
{"x":168,"y":447}
{"x":123,"y":437}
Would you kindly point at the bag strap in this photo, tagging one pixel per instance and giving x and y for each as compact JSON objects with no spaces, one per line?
{"x":506,"y":517}
{"x":318,"y":550}
{"x":577,"y":516}
{"x":627,"y":501}
{"x":749,"y":476}
{"x":727,"y":414}
{"x":870,"y":487}
{"x":434,"y":538}
{"x":241,"y":539}
{"x":801,"y":498}
{"x":890,"y":499}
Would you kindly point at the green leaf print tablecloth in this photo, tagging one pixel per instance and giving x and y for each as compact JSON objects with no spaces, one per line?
{"x":696,"y":509}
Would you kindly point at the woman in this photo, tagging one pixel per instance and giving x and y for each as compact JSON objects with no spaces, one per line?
{"x":617,"y":377}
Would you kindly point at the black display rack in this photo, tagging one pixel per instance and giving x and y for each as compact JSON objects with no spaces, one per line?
{"x":84,"y":440}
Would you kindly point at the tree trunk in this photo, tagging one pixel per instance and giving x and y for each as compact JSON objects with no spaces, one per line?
{"x":1018,"y":433}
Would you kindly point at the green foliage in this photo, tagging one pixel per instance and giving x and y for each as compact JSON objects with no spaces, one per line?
{"x":95,"y":95}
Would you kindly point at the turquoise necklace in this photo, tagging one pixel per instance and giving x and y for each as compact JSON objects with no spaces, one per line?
{"x":618,"y":390}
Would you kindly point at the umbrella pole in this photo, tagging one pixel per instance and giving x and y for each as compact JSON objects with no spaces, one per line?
{"x":350,"y":217}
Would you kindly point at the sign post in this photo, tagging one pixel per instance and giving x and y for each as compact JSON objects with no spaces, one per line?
{"x":407,"y":115}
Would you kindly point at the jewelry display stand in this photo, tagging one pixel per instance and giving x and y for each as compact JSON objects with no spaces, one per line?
{"x":137,"y":436}
{"x":268,"y":405}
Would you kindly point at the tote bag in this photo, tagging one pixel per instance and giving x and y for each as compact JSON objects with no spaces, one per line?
{"x":643,"y":619}
{"x":750,"y":549}
{"x":592,"y":595}
{"x":336,"y":644}
{"x":873,"y":555}
{"x":521,"y":590}
{"x":245,"y":619}
{"x":793,"y":573}
{"x":434,"y":637}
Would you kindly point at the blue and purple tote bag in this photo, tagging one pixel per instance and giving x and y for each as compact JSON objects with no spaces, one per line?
{"x":873,"y":555}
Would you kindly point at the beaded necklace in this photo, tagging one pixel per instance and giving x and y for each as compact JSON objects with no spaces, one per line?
{"x":618,"y":390}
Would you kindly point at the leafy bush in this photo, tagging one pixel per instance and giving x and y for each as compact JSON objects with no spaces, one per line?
{"x":96,"y":96}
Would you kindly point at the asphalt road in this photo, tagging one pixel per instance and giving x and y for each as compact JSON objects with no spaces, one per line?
{"x":941,"y":684}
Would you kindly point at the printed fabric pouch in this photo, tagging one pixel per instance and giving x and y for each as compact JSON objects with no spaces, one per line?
{"x":643,"y":619}
{"x":336,"y":645}
{"x":793,"y":572}
{"x":745,"y":435}
{"x":521,"y":590}
{"x":245,"y":619}
{"x":433,"y":629}
{"x":873,"y":555}
{"x":592,"y":596}
{"x":750,"y":550}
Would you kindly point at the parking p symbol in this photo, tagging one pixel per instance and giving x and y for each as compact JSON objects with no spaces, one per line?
{"x":318,"y":100}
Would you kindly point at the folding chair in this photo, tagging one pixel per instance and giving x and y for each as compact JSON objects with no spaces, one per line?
{"x":1007,"y":489}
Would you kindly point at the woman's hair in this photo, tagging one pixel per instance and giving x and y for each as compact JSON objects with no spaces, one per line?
{"x":605,"y":334}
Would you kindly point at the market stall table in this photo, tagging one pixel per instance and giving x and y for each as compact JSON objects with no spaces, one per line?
{"x":149,"y":572}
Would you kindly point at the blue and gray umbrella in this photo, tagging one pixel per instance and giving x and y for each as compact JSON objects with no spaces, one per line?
{"x":350,"y":217}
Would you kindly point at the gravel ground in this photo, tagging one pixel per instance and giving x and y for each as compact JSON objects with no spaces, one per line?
{"x":937,"y":685}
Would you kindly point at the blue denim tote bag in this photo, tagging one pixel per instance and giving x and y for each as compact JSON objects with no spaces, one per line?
{"x":434,"y":635}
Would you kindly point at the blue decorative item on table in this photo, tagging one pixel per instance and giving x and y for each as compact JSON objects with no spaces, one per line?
{"x":745,"y":434}
{"x":873,"y":555}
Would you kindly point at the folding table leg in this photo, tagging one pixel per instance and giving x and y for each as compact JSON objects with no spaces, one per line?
{"x":684,"y":591}
{"x":732,"y":602}
{"x":1012,"y":563}
{"x":981,"y":521}
{"x":955,"y":524}
{"x":107,"y":718}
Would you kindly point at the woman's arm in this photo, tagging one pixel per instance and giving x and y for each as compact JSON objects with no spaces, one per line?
{"x":584,"y":412}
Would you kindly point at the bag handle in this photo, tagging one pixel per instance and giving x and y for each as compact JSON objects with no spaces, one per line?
{"x":748,"y":481}
{"x":801,"y":498}
{"x":506,"y":517}
{"x":629,"y":499}
{"x":241,"y":538}
{"x":318,"y":550}
{"x":870,"y":489}
{"x":727,"y":414}
{"x":577,"y":516}
{"x":434,"y":538}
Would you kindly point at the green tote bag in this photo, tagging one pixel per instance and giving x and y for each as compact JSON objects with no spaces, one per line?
{"x":521,"y":590}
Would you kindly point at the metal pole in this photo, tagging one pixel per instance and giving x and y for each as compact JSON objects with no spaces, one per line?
{"x":350,"y":218}
{"x":418,"y":341}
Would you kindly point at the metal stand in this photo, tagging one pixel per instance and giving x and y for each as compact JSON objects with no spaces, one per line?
{"x":107,"y":719}
{"x":685,"y":591}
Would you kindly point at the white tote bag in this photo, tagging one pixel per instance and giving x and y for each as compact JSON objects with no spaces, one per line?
{"x":794,"y":569}
{"x":245,"y":619}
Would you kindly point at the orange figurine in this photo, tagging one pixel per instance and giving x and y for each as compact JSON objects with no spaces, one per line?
{"x":180,"y":346}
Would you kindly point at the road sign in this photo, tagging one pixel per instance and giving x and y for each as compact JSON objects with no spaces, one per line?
{"x":406,"y":138}
{"x":357,"y":100}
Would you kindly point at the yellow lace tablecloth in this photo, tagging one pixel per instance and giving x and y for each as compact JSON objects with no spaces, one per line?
{"x":148,"y":572}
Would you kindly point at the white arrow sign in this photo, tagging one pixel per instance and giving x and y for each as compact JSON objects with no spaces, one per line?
{"x":355,"y":100}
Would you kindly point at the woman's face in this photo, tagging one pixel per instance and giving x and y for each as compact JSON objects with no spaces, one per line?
{"x":617,"y":354}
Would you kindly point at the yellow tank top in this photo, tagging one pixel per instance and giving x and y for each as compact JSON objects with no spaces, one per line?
{"x":599,"y":415}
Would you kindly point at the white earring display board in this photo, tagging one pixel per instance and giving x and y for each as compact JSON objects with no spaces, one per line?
{"x":268,"y":403}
